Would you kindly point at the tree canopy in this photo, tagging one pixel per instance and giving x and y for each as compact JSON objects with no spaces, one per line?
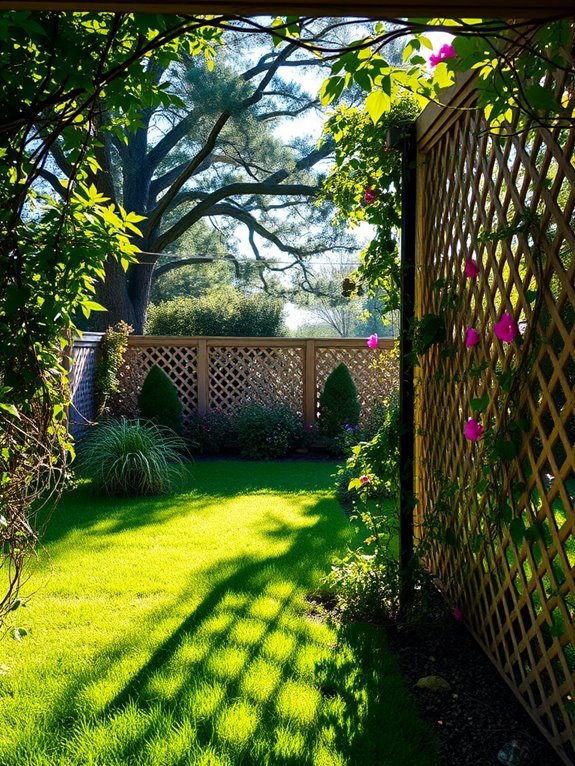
{"x":207,"y":157}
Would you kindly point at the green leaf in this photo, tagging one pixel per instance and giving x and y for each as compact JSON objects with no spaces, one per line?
{"x":507,"y":512}
{"x":11,"y":408}
{"x":478,"y":405}
{"x":556,"y":628}
{"x":376,"y":104}
{"x":331,"y":89}
{"x":505,"y":449}
{"x":517,"y":531}
{"x":363,"y":79}
{"x":94,"y":306}
{"x":506,"y":379}
{"x":541,"y":98}
{"x":534,"y":532}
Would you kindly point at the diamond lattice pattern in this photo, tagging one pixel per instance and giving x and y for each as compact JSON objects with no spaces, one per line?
{"x":518,"y":600}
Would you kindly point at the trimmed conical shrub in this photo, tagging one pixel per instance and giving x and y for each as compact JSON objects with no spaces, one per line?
{"x":338,"y":404}
{"x":159,"y":400}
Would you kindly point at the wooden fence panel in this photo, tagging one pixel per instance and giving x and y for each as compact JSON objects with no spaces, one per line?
{"x":179,"y":361}
{"x":518,"y":599}
{"x":226,"y":373}
{"x":82,"y":410}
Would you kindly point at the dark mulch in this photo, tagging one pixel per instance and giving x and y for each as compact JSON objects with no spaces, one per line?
{"x":480,"y":713}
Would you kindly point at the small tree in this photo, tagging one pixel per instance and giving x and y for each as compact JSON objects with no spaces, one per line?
{"x":159,"y":400}
{"x":338,"y":403}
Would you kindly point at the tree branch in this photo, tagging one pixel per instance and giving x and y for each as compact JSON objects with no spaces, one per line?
{"x":207,"y":206}
{"x":210,"y":143}
{"x":53,"y":180}
{"x":287,"y":112}
{"x":60,"y":158}
{"x":167,"y":143}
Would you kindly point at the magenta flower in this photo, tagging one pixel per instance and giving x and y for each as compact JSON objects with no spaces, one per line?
{"x":472,"y":337}
{"x":364,"y":479}
{"x":445,"y":52}
{"x":506,"y":329}
{"x":372,"y":341}
{"x":471,"y":269}
{"x":457,"y":614}
{"x":370,"y":195}
{"x":473,"y":430}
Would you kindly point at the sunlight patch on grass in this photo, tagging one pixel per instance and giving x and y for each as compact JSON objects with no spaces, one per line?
{"x":174,"y":631}
{"x":298,"y":701}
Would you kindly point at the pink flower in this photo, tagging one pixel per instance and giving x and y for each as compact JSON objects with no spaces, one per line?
{"x":471,"y":269}
{"x":372,"y":341}
{"x":506,"y":329}
{"x":364,"y":479}
{"x":445,"y":52}
{"x":457,"y":614}
{"x":472,"y":337}
{"x":370,"y":195}
{"x":473,"y":430}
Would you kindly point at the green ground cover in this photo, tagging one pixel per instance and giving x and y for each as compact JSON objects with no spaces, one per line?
{"x":174,"y":631}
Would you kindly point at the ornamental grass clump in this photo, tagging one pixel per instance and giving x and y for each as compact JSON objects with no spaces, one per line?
{"x":131,"y":458}
{"x":338,"y":403}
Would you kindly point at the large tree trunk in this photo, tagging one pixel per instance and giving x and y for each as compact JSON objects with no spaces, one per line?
{"x":126,"y":294}
{"x":113,"y":294}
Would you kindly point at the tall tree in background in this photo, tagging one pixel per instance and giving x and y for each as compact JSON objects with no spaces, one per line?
{"x":209,"y":153}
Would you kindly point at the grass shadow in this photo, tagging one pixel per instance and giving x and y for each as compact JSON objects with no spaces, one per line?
{"x":241,"y":677}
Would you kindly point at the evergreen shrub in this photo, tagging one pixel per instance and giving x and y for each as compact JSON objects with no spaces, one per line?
{"x":338,"y":403}
{"x":159,"y":401}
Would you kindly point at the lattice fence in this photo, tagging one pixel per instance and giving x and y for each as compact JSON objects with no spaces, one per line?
{"x":519,"y":600}
{"x":372,"y":377}
{"x":180,"y":363}
{"x":239,"y":375}
{"x":226,"y":373}
{"x":82,"y":393}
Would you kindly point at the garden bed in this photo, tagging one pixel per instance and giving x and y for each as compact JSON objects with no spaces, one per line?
{"x":480,"y":714}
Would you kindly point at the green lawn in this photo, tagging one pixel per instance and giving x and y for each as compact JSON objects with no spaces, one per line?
{"x":174,"y":631}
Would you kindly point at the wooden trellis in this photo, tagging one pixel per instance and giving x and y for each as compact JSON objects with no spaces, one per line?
{"x":82,"y":394}
{"x":518,"y":600}
{"x":226,"y":373}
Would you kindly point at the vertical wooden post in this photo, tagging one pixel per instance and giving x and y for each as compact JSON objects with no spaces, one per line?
{"x":203,"y":381}
{"x":309,"y":378}
{"x":404,"y":138}
{"x":420,"y":255}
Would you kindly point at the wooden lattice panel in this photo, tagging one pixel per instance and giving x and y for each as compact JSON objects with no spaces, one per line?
{"x":518,"y":601}
{"x":178,"y":362}
{"x":82,"y":394}
{"x":375,"y":373}
{"x":241,"y":375}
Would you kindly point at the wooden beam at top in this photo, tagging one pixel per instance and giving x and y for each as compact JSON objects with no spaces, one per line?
{"x":376,"y":8}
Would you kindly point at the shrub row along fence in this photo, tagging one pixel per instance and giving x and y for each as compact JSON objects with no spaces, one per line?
{"x":217,"y":373}
{"x":508,"y":204}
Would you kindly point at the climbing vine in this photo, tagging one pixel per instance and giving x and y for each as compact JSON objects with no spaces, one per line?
{"x":113,"y":347}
